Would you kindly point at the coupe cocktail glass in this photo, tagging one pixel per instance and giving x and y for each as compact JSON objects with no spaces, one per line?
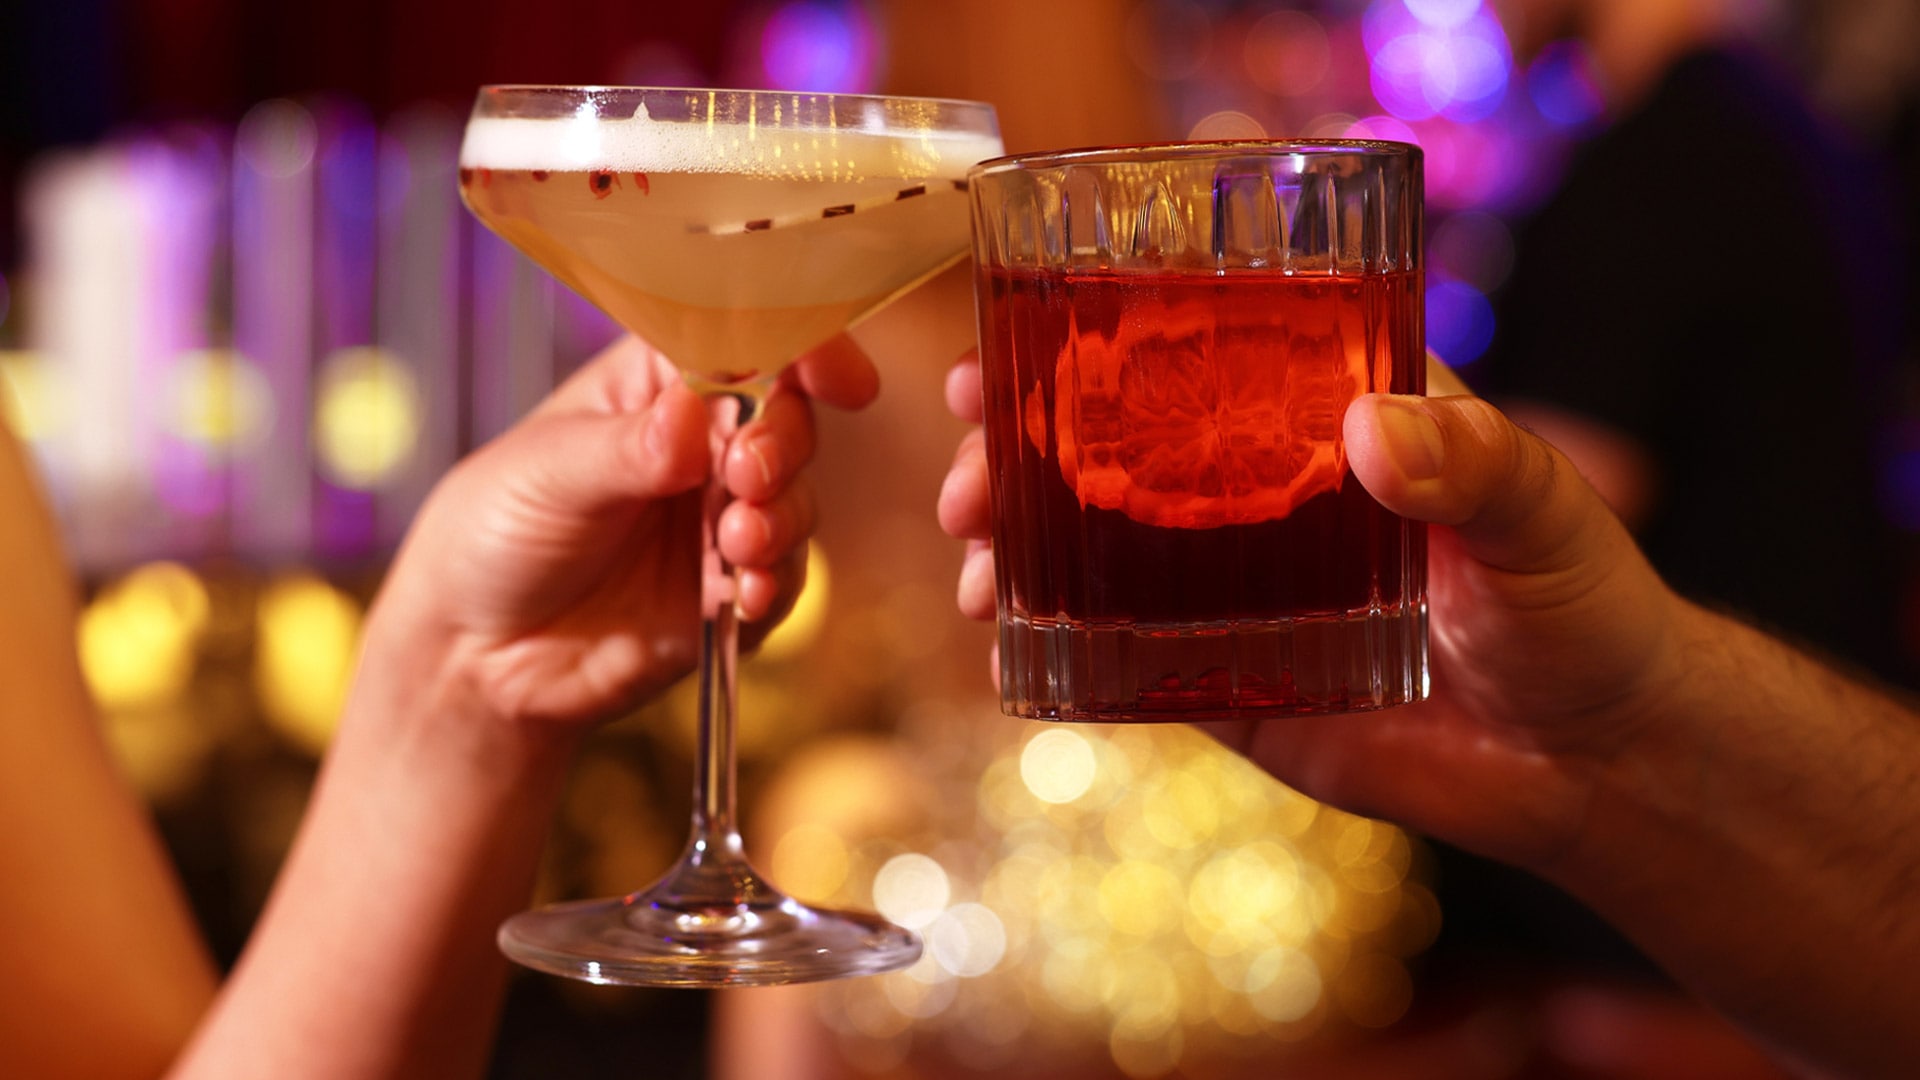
{"x":733,"y":230}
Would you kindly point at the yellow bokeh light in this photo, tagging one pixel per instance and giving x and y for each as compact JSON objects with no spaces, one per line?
{"x":366,"y":416}
{"x":1014,"y":882}
{"x":911,"y":890}
{"x":137,"y":639}
{"x":28,"y":402}
{"x":1057,"y":765}
{"x":921,"y":990}
{"x":1142,"y":993}
{"x":303,"y":657}
{"x":1160,"y":893}
{"x":811,"y":863}
{"x":1246,"y":898}
{"x":1354,"y":842}
{"x":1068,"y":975}
{"x":217,"y":398}
{"x":1126,"y":829}
{"x":139,"y":643}
{"x":1004,"y":800}
{"x":1284,"y":985}
{"x":1143,"y":1058}
{"x":1067,"y":899}
{"x":1140,"y":898}
{"x":797,"y":632}
{"x":1373,"y":859}
{"x":967,"y":940}
{"x":1182,"y":812}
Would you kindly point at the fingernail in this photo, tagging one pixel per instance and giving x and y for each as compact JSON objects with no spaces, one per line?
{"x":1412,"y":437}
{"x":760,"y":458}
{"x":976,"y":580}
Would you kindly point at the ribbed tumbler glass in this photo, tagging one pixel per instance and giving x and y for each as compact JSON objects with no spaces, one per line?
{"x":1170,"y":336}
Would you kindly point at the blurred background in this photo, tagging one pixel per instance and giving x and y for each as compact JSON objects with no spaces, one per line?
{"x":245,"y":323}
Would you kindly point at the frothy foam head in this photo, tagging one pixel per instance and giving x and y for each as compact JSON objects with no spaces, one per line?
{"x":642,"y":144}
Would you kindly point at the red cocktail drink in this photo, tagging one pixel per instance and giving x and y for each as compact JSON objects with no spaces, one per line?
{"x":1177,"y":532}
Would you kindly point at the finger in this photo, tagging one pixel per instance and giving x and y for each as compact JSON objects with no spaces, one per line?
{"x":838,"y":373}
{"x":762,"y":534}
{"x":767,"y":593}
{"x":963,"y":388}
{"x":1516,"y":503}
{"x":769,"y":452}
{"x":965,"y":507}
{"x":976,"y":594}
{"x":588,"y":462}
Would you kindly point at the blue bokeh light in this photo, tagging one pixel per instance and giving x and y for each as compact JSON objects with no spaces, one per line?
{"x":1459,"y":321}
{"x":819,"y":46}
{"x":1563,"y":87}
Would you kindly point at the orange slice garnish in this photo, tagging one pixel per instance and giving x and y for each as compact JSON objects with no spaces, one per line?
{"x":1207,"y":417}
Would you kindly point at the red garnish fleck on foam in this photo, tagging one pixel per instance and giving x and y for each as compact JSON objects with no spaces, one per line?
{"x":602,"y":182}
{"x":640,"y":181}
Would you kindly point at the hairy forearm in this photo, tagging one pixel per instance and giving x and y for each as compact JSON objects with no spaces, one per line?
{"x":1761,"y":840}
{"x":375,"y":956}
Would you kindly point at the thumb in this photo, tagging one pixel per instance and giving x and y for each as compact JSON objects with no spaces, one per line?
{"x":590,"y":461}
{"x":1515,"y":502}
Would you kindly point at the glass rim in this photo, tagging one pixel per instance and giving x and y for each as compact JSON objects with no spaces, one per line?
{"x":1200,"y":150}
{"x":490,"y":90}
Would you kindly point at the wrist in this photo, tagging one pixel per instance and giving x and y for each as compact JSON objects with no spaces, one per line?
{"x":1653,"y":790}
{"x":419,"y":693}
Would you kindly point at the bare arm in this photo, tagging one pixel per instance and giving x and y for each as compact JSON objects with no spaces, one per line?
{"x":1762,"y":840}
{"x":105,"y":973}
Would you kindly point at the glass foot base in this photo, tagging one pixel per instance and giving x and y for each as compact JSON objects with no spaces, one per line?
{"x":638,"y":941}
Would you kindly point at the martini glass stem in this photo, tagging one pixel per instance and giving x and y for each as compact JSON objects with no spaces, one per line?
{"x":714,"y":854}
{"x":714,"y":801}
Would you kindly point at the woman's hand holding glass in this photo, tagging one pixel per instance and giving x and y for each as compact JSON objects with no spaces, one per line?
{"x":555,"y":571}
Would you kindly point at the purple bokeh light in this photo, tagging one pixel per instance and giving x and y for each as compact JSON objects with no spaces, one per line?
{"x":818,"y":46}
{"x":1450,"y":59}
{"x":1442,"y":14}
